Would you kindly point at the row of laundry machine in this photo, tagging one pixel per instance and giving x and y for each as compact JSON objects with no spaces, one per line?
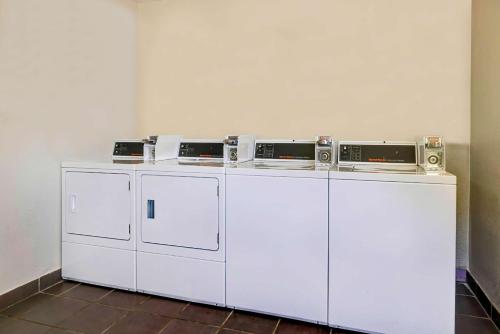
{"x":356,"y":235}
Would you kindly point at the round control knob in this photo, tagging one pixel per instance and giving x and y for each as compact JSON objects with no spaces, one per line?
{"x":433,"y":159}
{"x":324,"y":156}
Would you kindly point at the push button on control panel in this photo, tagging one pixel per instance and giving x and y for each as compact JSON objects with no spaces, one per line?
{"x":264,"y":151}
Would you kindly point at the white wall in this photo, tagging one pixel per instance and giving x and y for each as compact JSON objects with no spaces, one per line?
{"x":67,"y":88}
{"x":485,"y":145}
{"x":355,"y":69}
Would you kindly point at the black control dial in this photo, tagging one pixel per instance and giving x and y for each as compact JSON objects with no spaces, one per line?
{"x":324,"y":156}
{"x":433,"y":159}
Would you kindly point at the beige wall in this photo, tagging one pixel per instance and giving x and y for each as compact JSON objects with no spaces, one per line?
{"x":356,"y":69}
{"x":67,"y":88}
{"x":485,"y":145}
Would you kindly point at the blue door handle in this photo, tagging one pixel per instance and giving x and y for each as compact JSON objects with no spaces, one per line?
{"x":151,"y":209}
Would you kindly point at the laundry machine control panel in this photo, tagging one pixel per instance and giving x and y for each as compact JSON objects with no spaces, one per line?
{"x":201,"y":150}
{"x":128,"y":149}
{"x":291,"y":150}
{"x":377,"y":153}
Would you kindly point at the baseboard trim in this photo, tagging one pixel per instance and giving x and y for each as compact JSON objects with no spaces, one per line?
{"x":490,"y":308}
{"x":28,"y":289}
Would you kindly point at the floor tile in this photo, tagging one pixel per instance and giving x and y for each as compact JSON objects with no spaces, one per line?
{"x":54,"y":310}
{"x":209,"y":315}
{"x":123,"y":299}
{"x":462,"y":289}
{"x":139,"y":322}
{"x":297,"y":327}
{"x":59,"y":331}
{"x":177,"y":326}
{"x":87,"y":292}
{"x":250,"y":322}
{"x":471,"y":325}
{"x":60,"y":288}
{"x":162,"y":306}
{"x":469,"y":306}
{"x":15,"y":326}
{"x":25,"y":305}
{"x":93,"y":319}
{"x":229,"y":331}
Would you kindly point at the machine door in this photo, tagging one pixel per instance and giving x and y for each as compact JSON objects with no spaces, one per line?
{"x":180,"y":211}
{"x":391,"y":243}
{"x":277,"y":245}
{"x":98,"y":204}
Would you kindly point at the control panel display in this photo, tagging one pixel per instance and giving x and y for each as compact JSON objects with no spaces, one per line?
{"x":285,"y":151}
{"x":128,"y":149}
{"x":201,"y":150}
{"x":370,"y":153}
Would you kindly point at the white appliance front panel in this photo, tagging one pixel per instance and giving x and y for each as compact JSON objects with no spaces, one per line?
{"x":181,"y":277}
{"x":277,"y":245}
{"x":99,"y":265}
{"x":98,"y":204}
{"x":392,"y":256}
{"x":186,"y":211}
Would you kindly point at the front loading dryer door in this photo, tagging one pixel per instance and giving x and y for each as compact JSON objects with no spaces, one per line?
{"x":98,"y":204}
{"x":180,"y":211}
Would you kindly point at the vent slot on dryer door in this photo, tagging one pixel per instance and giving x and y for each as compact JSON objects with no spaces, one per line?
{"x":180,"y":211}
{"x":98,"y":204}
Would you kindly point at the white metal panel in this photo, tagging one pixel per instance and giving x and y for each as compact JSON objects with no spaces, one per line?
{"x":391,"y":174}
{"x":277,"y":245}
{"x":186,"y":211}
{"x":279,"y":168}
{"x":189,"y":166}
{"x":181,"y":277}
{"x":215,"y":255}
{"x":99,"y":265}
{"x":108,"y":165}
{"x":98,"y":204}
{"x":392,"y":256}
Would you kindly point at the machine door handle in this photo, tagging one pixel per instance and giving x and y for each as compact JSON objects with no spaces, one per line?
{"x":151,"y":209}
{"x":72,"y":203}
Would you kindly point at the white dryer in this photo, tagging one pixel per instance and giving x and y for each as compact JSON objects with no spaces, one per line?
{"x":181,"y":224}
{"x":98,"y":223}
{"x":392,"y":242}
{"x":277,"y":232}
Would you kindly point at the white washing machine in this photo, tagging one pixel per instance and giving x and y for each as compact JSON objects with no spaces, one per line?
{"x":277,"y":232}
{"x":181,"y":224}
{"x":392,"y":242}
{"x":98,"y":224}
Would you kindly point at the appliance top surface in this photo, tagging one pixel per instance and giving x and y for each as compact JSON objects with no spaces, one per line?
{"x":279,"y":168}
{"x":110,"y":164}
{"x":173,"y":165}
{"x":192,"y":166}
{"x":412,"y":174}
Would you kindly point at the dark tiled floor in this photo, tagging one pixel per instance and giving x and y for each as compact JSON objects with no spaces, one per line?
{"x":78,"y":308}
